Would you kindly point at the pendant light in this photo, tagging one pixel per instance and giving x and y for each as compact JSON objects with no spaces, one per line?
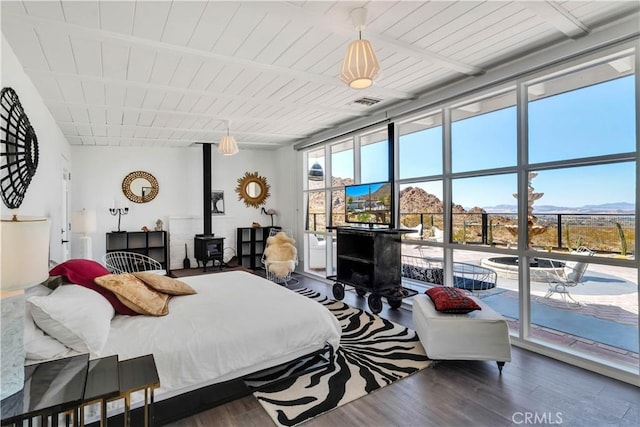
{"x":360,"y":65}
{"x":228,"y":145}
{"x":316,"y":173}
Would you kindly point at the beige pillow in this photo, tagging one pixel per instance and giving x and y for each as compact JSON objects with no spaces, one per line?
{"x":165,"y":284}
{"x":133,"y":293}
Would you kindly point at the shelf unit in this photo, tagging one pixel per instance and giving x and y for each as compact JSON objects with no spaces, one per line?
{"x":153,"y":244}
{"x":369,"y":258}
{"x":250,"y":244}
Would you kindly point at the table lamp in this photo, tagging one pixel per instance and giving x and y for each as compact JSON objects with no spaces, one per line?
{"x":24,"y":253}
{"x":84,"y":222}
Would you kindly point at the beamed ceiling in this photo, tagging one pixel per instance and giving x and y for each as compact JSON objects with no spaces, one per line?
{"x":171,"y":74}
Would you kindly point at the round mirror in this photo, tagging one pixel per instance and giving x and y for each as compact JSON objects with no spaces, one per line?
{"x":140,"y":187}
{"x":253,"y":189}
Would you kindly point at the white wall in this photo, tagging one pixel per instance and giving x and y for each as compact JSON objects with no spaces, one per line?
{"x":44,"y":195}
{"x":98,"y":173}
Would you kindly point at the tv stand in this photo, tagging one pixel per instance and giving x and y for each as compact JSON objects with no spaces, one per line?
{"x":369,"y":259}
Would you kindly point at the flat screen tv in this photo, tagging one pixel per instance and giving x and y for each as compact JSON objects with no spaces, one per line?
{"x":368,"y":203}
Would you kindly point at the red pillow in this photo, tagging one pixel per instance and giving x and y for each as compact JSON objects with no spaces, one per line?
{"x":451,"y":300}
{"x":82,"y":272}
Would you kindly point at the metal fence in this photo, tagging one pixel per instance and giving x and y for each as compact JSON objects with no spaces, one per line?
{"x":607,"y":233}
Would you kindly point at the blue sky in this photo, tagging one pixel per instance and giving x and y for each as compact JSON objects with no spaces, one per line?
{"x":592,"y":121}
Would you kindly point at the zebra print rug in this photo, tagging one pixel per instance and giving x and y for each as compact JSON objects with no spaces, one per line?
{"x":373,"y":353}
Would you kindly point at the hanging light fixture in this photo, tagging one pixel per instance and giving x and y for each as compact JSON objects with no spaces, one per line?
{"x":228,"y":145}
{"x":360,"y":65}
{"x":316,"y":173}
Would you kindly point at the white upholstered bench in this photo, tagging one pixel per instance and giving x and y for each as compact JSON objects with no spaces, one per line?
{"x":479,"y":335}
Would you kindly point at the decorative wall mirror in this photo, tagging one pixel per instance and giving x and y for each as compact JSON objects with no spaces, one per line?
{"x":19,"y":149}
{"x":253,"y":189}
{"x":140,"y":187}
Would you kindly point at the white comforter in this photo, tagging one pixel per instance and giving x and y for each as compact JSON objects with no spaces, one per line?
{"x":237,"y":323}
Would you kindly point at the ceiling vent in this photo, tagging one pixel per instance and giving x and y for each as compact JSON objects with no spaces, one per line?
{"x":367,"y":101}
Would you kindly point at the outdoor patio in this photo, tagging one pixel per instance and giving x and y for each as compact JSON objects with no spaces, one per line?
{"x":604,"y":325}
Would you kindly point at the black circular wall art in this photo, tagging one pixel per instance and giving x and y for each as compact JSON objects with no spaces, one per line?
{"x":19,"y":155}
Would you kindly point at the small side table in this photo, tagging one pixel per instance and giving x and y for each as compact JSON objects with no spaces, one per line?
{"x":103,"y":382}
{"x":139,"y":373}
{"x":66,"y":376}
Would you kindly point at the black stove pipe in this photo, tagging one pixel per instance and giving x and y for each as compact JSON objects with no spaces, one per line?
{"x":206,"y":188}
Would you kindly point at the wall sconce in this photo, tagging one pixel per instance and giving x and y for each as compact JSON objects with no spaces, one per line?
{"x":84,"y":222}
{"x":270,"y":212}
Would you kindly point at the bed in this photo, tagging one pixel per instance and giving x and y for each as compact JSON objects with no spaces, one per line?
{"x":237,"y":323}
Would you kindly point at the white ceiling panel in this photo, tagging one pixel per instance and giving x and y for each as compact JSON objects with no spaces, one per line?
{"x":71,"y":89}
{"x":262,"y":35}
{"x":57,"y":50}
{"x":167,"y":73}
{"x":117,"y":16}
{"x":115,"y":118}
{"x":99,"y":131}
{"x":60,"y":113}
{"x":115,"y":95}
{"x":187,"y":102}
{"x":47,"y":86}
{"x":93,"y":92}
{"x":84,"y":13}
{"x":25,"y":43}
{"x":87,"y":55}
{"x":182,"y":21}
{"x":115,"y":60}
{"x":282,"y":42}
{"x":186,"y":70}
{"x":129,"y":118}
{"x":134,"y":97}
{"x":213,"y":23}
{"x":84,"y":130}
{"x":45,"y":9}
{"x":164,"y":68}
{"x":146,"y":118}
{"x":205,"y":75}
{"x":141,"y":62}
{"x":171,"y":101}
{"x":69,"y":129}
{"x":150,"y":19}
{"x":153,"y":99}
{"x":97,"y":115}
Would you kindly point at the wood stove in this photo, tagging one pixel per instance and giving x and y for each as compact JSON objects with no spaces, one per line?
{"x":208,"y":248}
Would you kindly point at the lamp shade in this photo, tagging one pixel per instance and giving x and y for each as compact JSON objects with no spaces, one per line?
{"x":360,"y":65}
{"x":24,"y":252}
{"x":84,"y":221}
{"x":228,"y":145}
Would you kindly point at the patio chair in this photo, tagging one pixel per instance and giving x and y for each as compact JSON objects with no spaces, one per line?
{"x":131,"y":262}
{"x":438,"y":235}
{"x":567,"y":276}
{"x":416,"y":232}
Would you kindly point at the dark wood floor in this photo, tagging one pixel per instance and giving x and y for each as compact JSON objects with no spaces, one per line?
{"x":532,"y":388}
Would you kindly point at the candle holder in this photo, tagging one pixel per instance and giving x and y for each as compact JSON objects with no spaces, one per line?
{"x":119,"y":212}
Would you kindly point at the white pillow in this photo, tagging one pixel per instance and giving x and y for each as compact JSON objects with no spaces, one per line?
{"x":78,"y":317}
{"x":38,"y":345}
